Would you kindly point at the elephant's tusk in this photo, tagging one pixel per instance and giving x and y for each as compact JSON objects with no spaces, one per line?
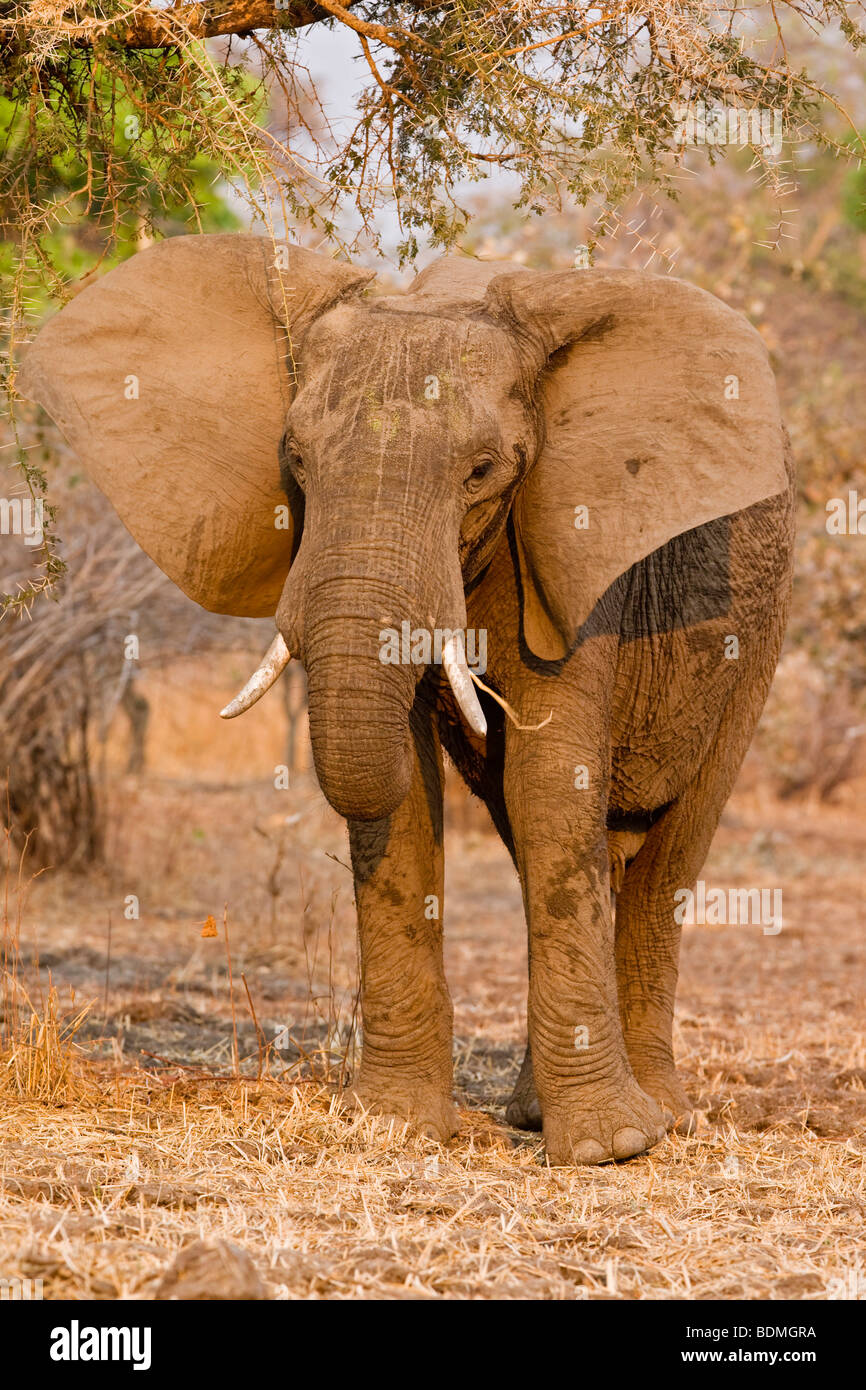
{"x":274,"y":661}
{"x":460,"y":680}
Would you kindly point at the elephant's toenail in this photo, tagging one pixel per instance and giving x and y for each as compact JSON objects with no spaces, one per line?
{"x":589,"y":1151}
{"x":629,"y":1141}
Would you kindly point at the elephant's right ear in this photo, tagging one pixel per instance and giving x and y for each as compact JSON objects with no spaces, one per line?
{"x":660,"y":414}
{"x":171,"y":378}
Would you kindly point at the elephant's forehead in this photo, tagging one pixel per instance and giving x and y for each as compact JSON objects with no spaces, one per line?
{"x":399,"y":358}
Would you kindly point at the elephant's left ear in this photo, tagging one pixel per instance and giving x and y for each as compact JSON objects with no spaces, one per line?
{"x":660,"y":414}
{"x":171,"y":377}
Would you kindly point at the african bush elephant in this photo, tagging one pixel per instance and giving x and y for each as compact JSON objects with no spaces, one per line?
{"x":588,"y":468}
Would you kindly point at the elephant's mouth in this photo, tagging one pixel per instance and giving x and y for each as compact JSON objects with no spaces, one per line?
{"x":278,"y":656}
{"x":345,"y":600}
{"x":359,"y":705}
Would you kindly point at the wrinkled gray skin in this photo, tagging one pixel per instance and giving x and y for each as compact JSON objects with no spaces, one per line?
{"x":405,"y":517}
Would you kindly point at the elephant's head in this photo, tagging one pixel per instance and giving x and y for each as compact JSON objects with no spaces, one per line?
{"x":279,"y":442}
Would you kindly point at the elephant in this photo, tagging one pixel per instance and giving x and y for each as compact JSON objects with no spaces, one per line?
{"x":589,"y":469}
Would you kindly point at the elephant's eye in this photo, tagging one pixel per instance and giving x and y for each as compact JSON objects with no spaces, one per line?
{"x":481,"y":471}
{"x":296,"y":463}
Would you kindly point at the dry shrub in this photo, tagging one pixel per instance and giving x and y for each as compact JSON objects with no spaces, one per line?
{"x":38,"y":1055}
{"x":63,"y":673}
{"x":65,"y":670}
{"x":39,"y":1061}
{"x":811,"y":737}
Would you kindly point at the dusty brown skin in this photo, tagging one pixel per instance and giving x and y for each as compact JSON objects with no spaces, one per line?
{"x":434,"y":453}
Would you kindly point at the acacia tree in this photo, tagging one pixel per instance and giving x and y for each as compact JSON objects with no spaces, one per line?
{"x":124,"y":120}
{"x":113,"y":113}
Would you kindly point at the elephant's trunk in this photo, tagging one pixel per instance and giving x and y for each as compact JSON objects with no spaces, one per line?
{"x":362,"y":607}
{"x":358,"y":705}
{"x":358,"y":614}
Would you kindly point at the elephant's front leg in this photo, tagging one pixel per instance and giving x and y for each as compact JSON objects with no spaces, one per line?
{"x":591,"y":1105}
{"x":406,"y":1062}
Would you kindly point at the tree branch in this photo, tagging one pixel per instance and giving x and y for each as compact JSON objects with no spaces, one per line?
{"x":144,"y":27}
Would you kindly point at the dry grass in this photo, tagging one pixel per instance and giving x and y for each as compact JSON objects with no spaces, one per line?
{"x":100,"y":1200}
{"x":160,"y":1176}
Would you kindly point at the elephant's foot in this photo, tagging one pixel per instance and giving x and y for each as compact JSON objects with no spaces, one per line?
{"x":524,"y":1111}
{"x":651,"y":1060}
{"x":601,"y":1127}
{"x":663,"y":1084}
{"x":428,"y":1109}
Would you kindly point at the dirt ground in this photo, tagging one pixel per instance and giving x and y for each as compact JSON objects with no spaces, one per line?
{"x":194,"y":1152}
